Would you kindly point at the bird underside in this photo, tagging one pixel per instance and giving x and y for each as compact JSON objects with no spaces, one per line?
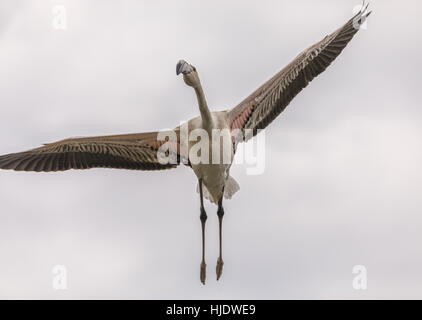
{"x":230,"y":188}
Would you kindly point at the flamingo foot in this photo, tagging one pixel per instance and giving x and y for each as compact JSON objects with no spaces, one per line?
{"x":203,"y":272}
{"x":219,"y":268}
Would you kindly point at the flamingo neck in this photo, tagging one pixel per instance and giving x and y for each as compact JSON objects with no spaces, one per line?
{"x":203,"y":107}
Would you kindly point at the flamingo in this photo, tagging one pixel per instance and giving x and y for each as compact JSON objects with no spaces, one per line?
{"x":139,"y":151}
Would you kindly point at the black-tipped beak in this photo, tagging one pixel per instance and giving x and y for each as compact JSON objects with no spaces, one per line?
{"x":184,"y":67}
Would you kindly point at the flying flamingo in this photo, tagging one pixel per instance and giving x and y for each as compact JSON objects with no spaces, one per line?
{"x":139,"y":151}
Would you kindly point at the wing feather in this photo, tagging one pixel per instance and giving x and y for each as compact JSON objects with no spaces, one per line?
{"x":268,"y":101}
{"x":128,"y":151}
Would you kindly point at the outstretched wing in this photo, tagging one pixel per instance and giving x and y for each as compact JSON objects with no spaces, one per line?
{"x":129,"y":151}
{"x":259,"y":109}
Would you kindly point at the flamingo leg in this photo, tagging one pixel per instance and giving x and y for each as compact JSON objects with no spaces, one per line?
{"x":203,"y":218}
{"x":220,"y":214}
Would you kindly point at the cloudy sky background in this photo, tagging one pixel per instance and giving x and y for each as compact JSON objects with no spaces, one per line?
{"x":343,"y":162}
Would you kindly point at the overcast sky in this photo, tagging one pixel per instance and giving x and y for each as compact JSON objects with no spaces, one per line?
{"x":342,"y":182}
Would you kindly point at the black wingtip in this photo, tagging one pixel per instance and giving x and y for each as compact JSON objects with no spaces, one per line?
{"x":363,"y":10}
{"x":361,"y":16}
{"x":366,"y":7}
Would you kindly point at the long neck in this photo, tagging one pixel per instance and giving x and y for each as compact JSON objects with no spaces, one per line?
{"x":203,"y":107}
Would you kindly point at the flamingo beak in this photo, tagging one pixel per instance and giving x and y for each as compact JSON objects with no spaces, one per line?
{"x":184,"y":67}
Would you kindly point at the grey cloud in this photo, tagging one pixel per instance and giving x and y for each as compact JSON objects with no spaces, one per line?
{"x":342,"y":179}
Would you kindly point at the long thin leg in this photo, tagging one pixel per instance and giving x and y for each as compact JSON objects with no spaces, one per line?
{"x":203,"y":217}
{"x":220,"y":214}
